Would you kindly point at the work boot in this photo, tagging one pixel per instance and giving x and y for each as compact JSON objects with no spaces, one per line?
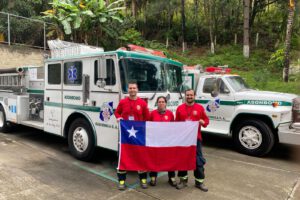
{"x":182,"y":183}
{"x":153,"y":181}
{"x":172,"y":182}
{"x":121,"y":185}
{"x":201,"y":186}
{"x":143,"y":183}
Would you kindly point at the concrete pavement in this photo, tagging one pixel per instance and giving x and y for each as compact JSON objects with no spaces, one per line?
{"x":35,"y":165}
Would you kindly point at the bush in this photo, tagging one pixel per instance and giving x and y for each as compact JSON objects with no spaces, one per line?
{"x":261,"y":78}
{"x":155,"y":45}
{"x":131,"y":36}
{"x":277,"y":58}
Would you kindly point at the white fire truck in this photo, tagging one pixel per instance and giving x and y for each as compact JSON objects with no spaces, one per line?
{"x":75,"y":94}
{"x":256,"y":120}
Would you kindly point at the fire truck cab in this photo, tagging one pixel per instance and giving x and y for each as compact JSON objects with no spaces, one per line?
{"x":256,"y":120}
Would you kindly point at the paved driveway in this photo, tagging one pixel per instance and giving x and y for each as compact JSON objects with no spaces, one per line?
{"x":35,"y":165}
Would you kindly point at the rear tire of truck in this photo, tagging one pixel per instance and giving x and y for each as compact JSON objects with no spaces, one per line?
{"x":253,"y":137}
{"x":5,"y":126}
{"x":81,"y":140}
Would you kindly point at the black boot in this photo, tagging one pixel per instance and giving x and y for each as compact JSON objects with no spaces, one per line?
{"x":172,"y":182}
{"x":153,"y":181}
{"x":182,"y":183}
{"x":143,"y":183}
{"x":201,"y":186}
{"x":121,"y":185}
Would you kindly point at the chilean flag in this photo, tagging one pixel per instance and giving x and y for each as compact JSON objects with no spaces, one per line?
{"x":157,"y":146}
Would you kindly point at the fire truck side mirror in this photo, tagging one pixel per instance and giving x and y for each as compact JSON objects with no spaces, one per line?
{"x":214,"y":93}
{"x":226,"y":91}
{"x":101,"y":83}
{"x":102,"y":74}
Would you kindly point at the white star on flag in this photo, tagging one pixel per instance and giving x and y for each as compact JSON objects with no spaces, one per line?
{"x":132,"y":132}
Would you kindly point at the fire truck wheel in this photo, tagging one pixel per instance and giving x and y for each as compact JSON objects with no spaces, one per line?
{"x":253,"y":137}
{"x":81,"y":140}
{"x":5,"y":126}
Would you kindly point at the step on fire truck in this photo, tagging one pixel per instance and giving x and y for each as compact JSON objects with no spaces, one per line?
{"x":256,"y":120}
{"x":75,"y":94}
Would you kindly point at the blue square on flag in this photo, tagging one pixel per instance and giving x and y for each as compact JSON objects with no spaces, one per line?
{"x":133,"y":132}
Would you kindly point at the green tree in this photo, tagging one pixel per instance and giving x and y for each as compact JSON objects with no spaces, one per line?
{"x":183,"y":26}
{"x":289,"y":29}
{"x":83,"y":19}
{"x":246,"y":49}
{"x":22,"y":30}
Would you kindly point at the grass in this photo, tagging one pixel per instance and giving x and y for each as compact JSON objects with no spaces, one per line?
{"x":271,"y":82}
{"x":255,"y":70}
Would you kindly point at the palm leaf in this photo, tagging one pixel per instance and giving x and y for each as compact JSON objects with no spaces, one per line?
{"x":67,"y":27}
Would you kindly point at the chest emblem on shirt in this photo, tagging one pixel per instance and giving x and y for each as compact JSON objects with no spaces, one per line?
{"x":195,"y":112}
{"x":138,"y":107}
{"x":166,"y":117}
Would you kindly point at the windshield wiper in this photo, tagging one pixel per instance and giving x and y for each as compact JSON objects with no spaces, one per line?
{"x":180,"y":90}
{"x":151,"y":98}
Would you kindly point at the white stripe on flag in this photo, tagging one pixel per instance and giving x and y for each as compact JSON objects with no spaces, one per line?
{"x":168,"y":134}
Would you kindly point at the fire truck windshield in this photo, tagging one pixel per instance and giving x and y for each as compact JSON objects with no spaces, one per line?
{"x":237,"y":83}
{"x":150,"y":75}
{"x":174,"y":78}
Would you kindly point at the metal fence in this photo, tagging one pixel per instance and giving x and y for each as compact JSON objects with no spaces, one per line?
{"x":20,"y":30}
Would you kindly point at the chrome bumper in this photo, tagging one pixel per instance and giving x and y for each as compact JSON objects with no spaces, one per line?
{"x":289,"y":134}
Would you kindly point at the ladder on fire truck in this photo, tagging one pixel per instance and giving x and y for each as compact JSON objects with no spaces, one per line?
{"x":12,"y":80}
{"x":15,"y":83}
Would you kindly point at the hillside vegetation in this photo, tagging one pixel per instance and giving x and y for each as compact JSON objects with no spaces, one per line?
{"x":256,"y":70}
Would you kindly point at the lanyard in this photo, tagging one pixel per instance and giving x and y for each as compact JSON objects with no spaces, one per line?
{"x":132,"y":106}
{"x":189,"y":111}
{"x":162,"y":114}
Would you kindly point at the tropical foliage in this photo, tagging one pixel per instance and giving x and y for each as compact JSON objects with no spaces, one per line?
{"x":85,"y":18}
{"x":165,"y":24}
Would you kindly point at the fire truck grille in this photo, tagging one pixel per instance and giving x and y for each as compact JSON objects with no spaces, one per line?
{"x":296,"y":110}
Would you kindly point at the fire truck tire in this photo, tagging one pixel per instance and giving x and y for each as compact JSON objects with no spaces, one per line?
{"x":253,"y":137}
{"x":5,"y":126}
{"x":81,"y":140}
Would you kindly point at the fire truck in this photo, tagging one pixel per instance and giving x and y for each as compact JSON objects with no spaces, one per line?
{"x":256,"y":120}
{"x":76,"y":92}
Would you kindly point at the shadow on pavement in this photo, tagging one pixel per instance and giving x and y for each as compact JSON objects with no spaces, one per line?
{"x":280,"y":151}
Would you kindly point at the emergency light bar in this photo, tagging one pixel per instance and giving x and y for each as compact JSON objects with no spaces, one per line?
{"x":136,"y":48}
{"x":217,"y":70}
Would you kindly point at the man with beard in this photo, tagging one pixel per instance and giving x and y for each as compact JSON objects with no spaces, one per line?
{"x":191,"y":111}
{"x":132,"y":108}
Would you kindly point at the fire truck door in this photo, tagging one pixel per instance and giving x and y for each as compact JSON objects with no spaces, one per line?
{"x":53,"y":98}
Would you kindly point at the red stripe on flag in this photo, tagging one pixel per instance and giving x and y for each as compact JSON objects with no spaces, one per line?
{"x":134,"y":158}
